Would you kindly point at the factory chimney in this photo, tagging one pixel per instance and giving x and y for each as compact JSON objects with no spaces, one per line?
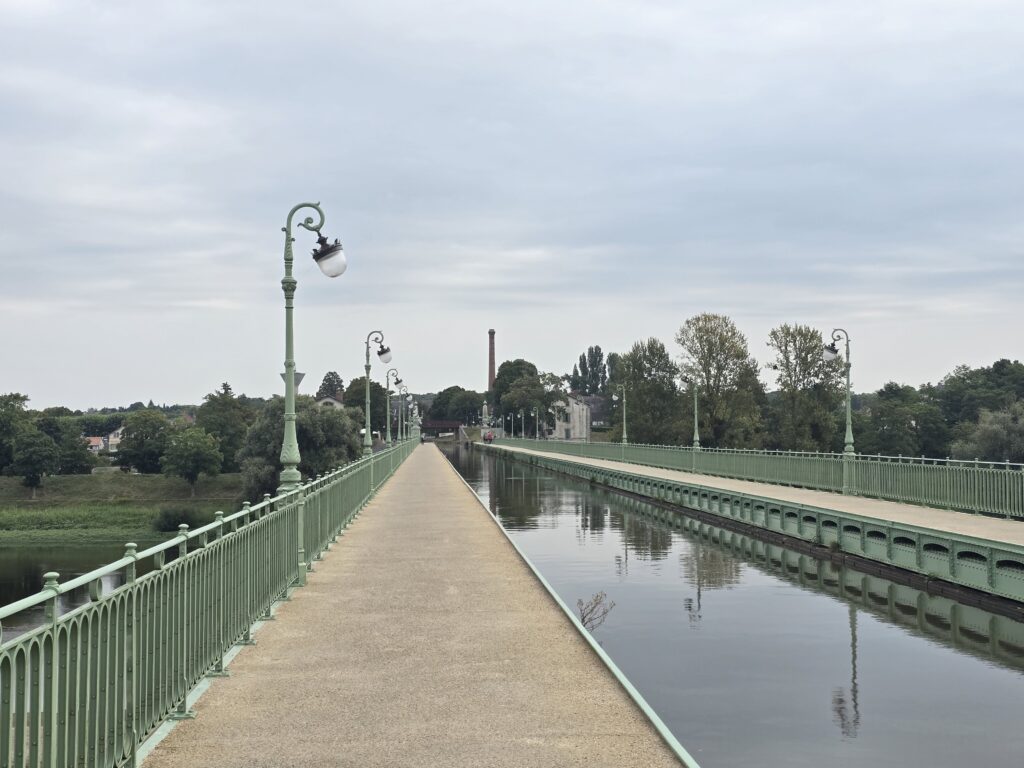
{"x":490,"y":361}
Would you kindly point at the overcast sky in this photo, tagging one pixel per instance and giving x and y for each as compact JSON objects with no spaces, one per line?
{"x":570,"y":173}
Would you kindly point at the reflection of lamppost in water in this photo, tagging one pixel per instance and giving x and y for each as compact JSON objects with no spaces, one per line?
{"x":848,"y":724}
{"x":693,"y":610}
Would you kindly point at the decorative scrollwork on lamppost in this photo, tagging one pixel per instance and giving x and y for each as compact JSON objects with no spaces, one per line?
{"x":330,"y":257}
{"x":384,"y":354}
{"x":830,"y":353}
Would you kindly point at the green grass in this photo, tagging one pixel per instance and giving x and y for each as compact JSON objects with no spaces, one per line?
{"x":108,"y":507}
{"x":63,"y":490}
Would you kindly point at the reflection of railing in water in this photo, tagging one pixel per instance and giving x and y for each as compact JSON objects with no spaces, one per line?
{"x":89,"y":685}
{"x":967,"y":628}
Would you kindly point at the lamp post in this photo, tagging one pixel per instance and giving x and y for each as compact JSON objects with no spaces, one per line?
{"x":512,"y":423}
{"x":384,"y":354}
{"x":391,"y":375}
{"x":522,"y":423}
{"x":830,"y":353}
{"x":331,"y":259}
{"x":536,"y":423}
{"x":696,"y":431}
{"x":622,"y":389}
{"x":403,"y":391}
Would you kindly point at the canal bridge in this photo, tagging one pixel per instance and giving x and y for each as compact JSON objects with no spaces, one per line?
{"x":377,"y":615}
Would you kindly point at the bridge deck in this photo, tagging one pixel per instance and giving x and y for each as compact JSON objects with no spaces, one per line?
{"x":421,"y":640}
{"x":959,"y":523}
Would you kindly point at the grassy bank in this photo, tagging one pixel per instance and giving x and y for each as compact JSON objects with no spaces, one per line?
{"x":81,"y":508}
{"x":60,"y":490}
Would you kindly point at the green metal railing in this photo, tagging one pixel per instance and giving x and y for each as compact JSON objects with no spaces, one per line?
{"x":992,"y":488}
{"x":88,"y":686}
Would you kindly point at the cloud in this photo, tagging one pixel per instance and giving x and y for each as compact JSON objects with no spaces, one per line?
{"x":588,"y":173}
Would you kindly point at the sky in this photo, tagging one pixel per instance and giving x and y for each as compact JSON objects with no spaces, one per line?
{"x":572,"y":173}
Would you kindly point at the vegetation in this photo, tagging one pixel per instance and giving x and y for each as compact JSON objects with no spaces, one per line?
{"x":456,"y":404}
{"x":331,"y":385}
{"x":190,"y":453}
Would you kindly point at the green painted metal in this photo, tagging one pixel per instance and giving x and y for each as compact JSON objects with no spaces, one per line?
{"x":991,"y":488}
{"x":88,"y":686}
{"x":376,"y":337}
{"x":988,"y":566}
{"x":290,"y":476}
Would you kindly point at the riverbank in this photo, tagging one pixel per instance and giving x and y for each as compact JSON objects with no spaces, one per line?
{"x":110,"y":507}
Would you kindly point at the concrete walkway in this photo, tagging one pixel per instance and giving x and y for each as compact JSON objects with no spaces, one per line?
{"x":961,"y":523}
{"x":421,"y":640}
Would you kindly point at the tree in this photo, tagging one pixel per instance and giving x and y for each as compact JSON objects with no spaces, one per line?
{"x":575,"y":381}
{"x":465,"y":407}
{"x":803,"y":415}
{"x":355,"y":396}
{"x":330,"y":386}
{"x":997,"y":436}
{"x":143,"y":442}
{"x":584,"y":369}
{"x":440,"y":407}
{"x":716,"y":357}
{"x":327,"y":438}
{"x":227,"y":418}
{"x":509,"y":372}
{"x":654,"y":408}
{"x":34,"y":455}
{"x":73,"y":450}
{"x":191,"y":452}
{"x":596,"y":369}
{"x":12,"y":417}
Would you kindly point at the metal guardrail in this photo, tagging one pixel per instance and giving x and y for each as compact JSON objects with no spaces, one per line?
{"x":992,"y":488}
{"x":88,"y":686}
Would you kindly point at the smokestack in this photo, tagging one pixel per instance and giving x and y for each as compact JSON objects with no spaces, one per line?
{"x":490,"y":362}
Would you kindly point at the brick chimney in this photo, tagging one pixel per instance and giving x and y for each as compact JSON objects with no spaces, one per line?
{"x":490,"y":362}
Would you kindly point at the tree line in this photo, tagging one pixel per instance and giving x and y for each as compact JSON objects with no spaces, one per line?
{"x":970,"y":413}
{"x":226,"y":433}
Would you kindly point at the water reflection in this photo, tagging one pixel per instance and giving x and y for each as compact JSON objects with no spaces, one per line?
{"x":758,"y":655}
{"x":21,"y":574}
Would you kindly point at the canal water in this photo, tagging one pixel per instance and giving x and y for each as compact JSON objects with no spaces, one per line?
{"x":754,"y":655}
{"x":22,"y":567}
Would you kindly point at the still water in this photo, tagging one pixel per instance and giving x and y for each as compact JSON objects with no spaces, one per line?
{"x":22,"y":567}
{"x":757,"y":656}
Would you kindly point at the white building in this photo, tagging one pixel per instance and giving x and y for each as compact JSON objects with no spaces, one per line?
{"x":572,"y":419}
{"x":114,"y":439}
{"x":331,"y":402}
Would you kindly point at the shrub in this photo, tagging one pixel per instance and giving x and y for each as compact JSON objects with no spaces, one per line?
{"x":169,"y":518}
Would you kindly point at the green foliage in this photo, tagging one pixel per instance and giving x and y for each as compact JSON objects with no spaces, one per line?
{"x":590,"y":374}
{"x":997,"y":436}
{"x":803,"y":415}
{"x":12,"y":417}
{"x":654,"y":408}
{"x":168,"y":519}
{"x":74,"y":457}
{"x":327,"y":437}
{"x":716,"y":358}
{"x":456,"y":404}
{"x":227,"y":418}
{"x":355,"y":396}
{"x":509,"y":373}
{"x":189,"y":453}
{"x":145,"y":437}
{"x":901,"y":422}
{"x":331,"y":385}
{"x":34,"y":454}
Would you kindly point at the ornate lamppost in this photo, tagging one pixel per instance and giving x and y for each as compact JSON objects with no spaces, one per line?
{"x":622,"y":389}
{"x":391,"y":375}
{"x":330,"y":257}
{"x":830,"y":353}
{"x":696,"y":431}
{"x":384,"y":354}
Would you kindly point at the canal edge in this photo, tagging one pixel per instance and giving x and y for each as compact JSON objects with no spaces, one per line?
{"x":663,"y":730}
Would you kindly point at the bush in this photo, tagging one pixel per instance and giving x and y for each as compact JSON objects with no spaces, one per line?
{"x":169,"y":518}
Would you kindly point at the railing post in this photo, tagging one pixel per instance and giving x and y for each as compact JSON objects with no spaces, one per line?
{"x":218,"y":669}
{"x":131,"y":652}
{"x":182,"y":712}
{"x":51,"y":614}
{"x":301,"y":517}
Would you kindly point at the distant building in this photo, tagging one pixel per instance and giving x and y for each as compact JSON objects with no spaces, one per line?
{"x":572,"y":419}
{"x":114,"y":439}
{"x":337,"y":400}
{"x":96,"y":444}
